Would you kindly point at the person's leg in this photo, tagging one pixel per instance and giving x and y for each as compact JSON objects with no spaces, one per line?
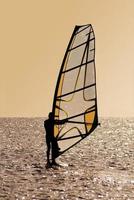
{"x":55,"y":153}
{"x":54,"y":163}
{"x":48,"y":151}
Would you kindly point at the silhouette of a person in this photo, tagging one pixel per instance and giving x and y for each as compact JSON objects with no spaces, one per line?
{"x":51,"y":141}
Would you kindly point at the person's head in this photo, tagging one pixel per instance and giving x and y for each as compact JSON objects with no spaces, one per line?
{"x":51,"y":115}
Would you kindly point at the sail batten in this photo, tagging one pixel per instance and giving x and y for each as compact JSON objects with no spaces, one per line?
{"x":80,"y":44}
{"x":82,"y":29}
{"x":74,"y":91}
{"x":75,"y":99}
{"x":90,"y":61}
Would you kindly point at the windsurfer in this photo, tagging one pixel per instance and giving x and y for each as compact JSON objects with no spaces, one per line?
{"x":51,"y":141}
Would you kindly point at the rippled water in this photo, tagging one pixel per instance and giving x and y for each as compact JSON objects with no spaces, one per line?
{"x":100,"y":167}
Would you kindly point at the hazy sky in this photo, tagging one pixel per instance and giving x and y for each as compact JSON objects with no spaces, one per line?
{"x":34,"y":35}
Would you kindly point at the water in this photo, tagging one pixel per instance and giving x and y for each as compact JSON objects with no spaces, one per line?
{"x":100,"y":167}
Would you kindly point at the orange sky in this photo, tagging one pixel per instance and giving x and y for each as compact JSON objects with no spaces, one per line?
{"x":33,"y":39}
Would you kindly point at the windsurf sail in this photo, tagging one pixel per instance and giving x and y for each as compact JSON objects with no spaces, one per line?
{"x":75,"y":98}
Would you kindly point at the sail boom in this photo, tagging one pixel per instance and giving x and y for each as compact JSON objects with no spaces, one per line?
{"x":76,"y":122}
{"x":74,"y":116}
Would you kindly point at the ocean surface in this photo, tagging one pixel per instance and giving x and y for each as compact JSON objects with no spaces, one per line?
{"x":101,"y":167}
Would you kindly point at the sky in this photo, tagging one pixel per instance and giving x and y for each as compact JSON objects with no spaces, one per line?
{"x":33,"y":38}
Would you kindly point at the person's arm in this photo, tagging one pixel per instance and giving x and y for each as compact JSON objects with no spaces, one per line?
{"x":60,"y":121}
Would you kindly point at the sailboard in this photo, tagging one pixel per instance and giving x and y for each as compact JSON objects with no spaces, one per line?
{"x":75,"y":98}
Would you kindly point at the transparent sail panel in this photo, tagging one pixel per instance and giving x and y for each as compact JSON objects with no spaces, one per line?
{"x":75,"y":57}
